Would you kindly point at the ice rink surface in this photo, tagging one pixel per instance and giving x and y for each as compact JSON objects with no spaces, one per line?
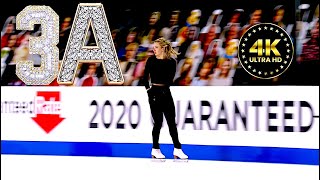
{"x":26,"y":167}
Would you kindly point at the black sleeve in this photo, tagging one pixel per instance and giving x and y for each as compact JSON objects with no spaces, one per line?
{"x":173,"y":67}
{"x":146,"y":73}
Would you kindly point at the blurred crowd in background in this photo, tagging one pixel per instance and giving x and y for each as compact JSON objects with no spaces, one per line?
{"x":208,"y":51}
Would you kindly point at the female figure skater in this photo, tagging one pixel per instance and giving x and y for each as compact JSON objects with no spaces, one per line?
{"x":162,"y":67}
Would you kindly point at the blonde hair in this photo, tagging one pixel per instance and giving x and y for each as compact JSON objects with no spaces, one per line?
{"x":169,"y":52}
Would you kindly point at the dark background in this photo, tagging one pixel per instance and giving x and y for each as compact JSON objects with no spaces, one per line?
{"x":139,"y":10}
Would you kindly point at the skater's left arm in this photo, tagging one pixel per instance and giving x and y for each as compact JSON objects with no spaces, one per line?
{"x":146,"y":74}
{"x":173,"y":68}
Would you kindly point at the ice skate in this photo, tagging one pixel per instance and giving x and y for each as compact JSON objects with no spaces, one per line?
{"x":179,"y":155}
{"x":157,"y":155}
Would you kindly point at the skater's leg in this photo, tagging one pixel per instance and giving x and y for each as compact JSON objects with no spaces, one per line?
{"x":157,"y":116}
{"x":170,"y":115}
{"x":158,"y":119}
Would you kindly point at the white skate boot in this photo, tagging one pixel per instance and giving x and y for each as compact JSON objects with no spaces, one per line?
{"x":157,"y":154}
{"x":179,"y":154}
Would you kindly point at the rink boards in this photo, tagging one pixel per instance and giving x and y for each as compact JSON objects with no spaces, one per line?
{"x":244,"y":124}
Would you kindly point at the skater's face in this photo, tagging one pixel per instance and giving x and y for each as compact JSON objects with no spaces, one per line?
{"x":157,"y":49}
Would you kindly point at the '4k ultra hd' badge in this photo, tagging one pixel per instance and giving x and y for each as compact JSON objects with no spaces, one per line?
{"x":265,"y":51}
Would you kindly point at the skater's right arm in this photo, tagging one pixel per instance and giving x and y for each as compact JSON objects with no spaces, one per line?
{"x":146,"y":74}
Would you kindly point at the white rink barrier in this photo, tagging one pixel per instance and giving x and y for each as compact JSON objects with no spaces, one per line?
{"x":216,"y":121}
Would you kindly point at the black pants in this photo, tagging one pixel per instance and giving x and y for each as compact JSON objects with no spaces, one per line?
{"x":161,"y":103}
